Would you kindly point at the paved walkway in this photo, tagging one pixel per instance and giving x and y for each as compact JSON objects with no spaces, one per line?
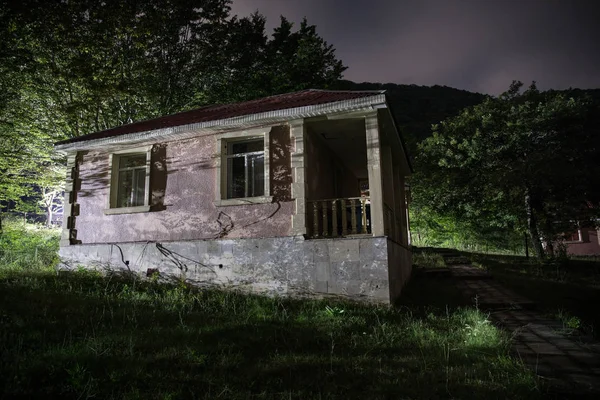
{"x":572,"y":366}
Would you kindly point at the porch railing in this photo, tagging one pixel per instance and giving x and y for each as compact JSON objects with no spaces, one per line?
{"x":339,"y":217}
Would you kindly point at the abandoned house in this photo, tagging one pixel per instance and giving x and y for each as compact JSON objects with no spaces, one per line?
{"x":300,"y":193}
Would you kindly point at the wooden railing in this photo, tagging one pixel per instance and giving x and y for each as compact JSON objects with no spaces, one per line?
{"x":339,"y":217}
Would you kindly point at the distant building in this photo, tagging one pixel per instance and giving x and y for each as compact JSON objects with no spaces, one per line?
{"x":583,"y":241}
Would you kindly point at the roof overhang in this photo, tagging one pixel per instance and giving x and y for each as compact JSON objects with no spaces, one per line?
{"x":374,"y":102}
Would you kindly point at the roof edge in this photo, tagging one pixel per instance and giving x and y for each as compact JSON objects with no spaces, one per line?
{"x":285,"y":114}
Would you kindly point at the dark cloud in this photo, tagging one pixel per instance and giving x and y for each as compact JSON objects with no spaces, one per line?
{"x":478,"y":45}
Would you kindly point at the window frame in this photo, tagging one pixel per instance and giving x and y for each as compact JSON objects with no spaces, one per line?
{"x":223,"y":140}
{"x":113,"y":161}
{"x":247,"y":156}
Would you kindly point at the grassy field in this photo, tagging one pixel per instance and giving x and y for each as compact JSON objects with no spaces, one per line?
{"x":81,"y":335}
{"x":567,"y":289}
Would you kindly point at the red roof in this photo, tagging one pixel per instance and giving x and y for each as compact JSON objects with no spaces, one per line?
{"x":217,"y":112}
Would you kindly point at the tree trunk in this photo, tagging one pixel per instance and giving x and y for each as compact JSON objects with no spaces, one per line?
{"x":49,"y":217}
{"x":534,"y":235}
{"x":49,"y":203}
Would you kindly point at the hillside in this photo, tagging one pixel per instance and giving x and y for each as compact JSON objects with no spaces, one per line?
{"x":416,"y":108}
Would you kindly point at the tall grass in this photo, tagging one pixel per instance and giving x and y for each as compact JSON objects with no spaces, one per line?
{"x":27,"y":246}
{"x":82,"y":335}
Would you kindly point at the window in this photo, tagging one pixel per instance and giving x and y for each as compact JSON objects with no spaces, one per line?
{"x":245,"y":169}
{"x":130,"y":181}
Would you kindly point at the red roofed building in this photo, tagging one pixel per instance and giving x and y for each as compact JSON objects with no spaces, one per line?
{"x":294,"y":193}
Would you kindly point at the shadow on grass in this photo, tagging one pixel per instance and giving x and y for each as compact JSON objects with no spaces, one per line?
{"x":431,"y":291}
{"x":84,"y":336}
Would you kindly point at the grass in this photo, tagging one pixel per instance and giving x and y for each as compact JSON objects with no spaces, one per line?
{"x":427,"y":258}
{"x":80,"y":335}
{"x":26,"y":246}
{"x":568,"y":290}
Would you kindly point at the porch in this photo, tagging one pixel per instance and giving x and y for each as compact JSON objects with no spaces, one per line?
{"x":354,"y":169}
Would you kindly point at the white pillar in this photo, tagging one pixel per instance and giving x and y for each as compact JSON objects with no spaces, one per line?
{"x":298,"y":137}
{"x":375,"y":171}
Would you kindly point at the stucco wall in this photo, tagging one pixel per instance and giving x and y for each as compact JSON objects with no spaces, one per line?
{"x":399,"y":266}
{"x":355,"y":267}
{"x":387,"y":177}
{"x":183,"y":182}
{"x":401,"y":206}
{"x":589,"y":244}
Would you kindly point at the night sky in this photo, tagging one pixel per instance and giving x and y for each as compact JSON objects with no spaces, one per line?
{"x":480,"y":46}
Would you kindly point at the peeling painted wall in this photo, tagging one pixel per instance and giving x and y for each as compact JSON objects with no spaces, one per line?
{"x":183,"y":181}
{"x":357,"y":268}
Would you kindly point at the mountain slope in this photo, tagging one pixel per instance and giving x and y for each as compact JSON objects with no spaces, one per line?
{"x":416,"y":108}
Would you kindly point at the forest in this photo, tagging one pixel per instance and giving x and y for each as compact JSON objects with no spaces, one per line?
{"x":490,"y":171}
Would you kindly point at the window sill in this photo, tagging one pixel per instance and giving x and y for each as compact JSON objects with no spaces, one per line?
{"x":243,"y":201}
{"x":126,"y":210}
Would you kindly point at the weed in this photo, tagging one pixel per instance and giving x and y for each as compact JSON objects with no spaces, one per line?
{"x":570,"y":322}
{"x":334,"y":311}
{"x":26,"y":246}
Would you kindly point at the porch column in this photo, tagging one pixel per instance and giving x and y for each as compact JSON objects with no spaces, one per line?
{"x":374,"y":169}
{"x":298,"y":139}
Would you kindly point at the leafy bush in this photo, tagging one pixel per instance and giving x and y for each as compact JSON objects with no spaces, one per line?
{"x":27,"y":246}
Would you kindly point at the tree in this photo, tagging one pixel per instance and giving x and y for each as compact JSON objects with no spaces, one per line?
{"x":525,"y":161}
{"x":301,"y":59}
{"x":253,"y":66}
{"x":69,"y":68}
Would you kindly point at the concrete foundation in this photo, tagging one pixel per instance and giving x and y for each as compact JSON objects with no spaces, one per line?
{"x":373,"y":268}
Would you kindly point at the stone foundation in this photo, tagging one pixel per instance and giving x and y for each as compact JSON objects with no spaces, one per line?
{"x":373,"y":268}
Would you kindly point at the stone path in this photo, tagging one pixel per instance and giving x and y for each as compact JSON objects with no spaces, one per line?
{"x":571,"y":365}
